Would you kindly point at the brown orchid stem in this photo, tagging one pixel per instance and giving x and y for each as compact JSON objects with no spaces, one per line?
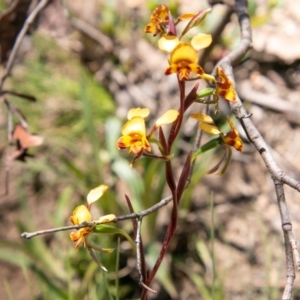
{"x":173,"y":188}
{"x":181,"y":85}
{"x":171,"y":227}
{"x":168,"y":236}
{"x":177,"y":124}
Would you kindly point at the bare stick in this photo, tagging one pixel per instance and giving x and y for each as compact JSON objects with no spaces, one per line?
{"x":138,"y":256}
{"x":165,"y":201}
{"x":13,"y":110}
{"x":255,"y":137}
{"x":9,"y":138}
{"x":238,"y":108}
{"x":290,"y":274}
{"x":286,"y":222}
{"x":19,"y":39}
{"x":29,"y":235}
{"x":291,"y":251}
{"x":147,"y":211}
{"x":138,"y":252}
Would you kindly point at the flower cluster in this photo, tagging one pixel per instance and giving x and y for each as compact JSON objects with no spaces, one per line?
{"x":183,"y":61}
{"x":183,"y":53}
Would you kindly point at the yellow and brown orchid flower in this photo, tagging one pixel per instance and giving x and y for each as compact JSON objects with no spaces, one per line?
{"x":82,"y":214}
{"x":225,"y":86}
{"x":230,"y":139}
{"x":159,"y":20}
{"x":184,"y":56}
{"x":134,"y":135}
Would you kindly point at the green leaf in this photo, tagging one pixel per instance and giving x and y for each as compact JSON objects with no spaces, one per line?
{"x":206,"y":147}
{"x":107,"y":229}
{"x":208,"y":91}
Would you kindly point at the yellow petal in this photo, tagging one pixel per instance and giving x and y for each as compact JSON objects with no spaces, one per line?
{"x":208,"y":77}
{"x":75,"y":236}
{"x":135,"y":126}
{"x":212,"y":129}
{"x":169,"y":117}
{"x":81,"y":214}
{"x":106,"y":219}
{"x":150,"y":28}
{"x":183,"y":52}
{"x":138,"y":112}
{"x":203,"y":118}
{"x":186,"y":16}
{"x":232,"y":139}
{"x":160,"y":14}
{"x":124,"y":142}
{"x":168,"y":43}
{"x":201,"y":41}
{"x":96,"y":193}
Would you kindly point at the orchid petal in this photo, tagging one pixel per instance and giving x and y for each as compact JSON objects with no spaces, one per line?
{"x":135,"y":126}
{"x":96,"y":193}
{"x":80,"y":214}
{"x":169,"y":117}
{"x":106,"y":219}
{"x":138,"y":112}
{"x":201,"y":41}
{"x":168,"y":43}
{"x":212,"y":129}
{"x":203,"y":118}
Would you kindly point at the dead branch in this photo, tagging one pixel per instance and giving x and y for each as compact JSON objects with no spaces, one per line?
{"x":278,"y":176}
{"x":19,"y":39}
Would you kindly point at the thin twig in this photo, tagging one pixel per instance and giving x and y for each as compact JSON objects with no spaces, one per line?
{"x":163,"y":202}
{"x":7,"y":71}
{"x":255,"y":137}
{"x":291,"y":251}
{"x":139,"y":257}
{"x":147,"y":211}
{"x":246,"y":37}
{"x":290,"y":111}
{"x":138,"y":252}
{"x":8,"y":161}
{"x":29,"y":235}
{"x":19,"y":39}
{"x":286,"y":222}
{"x":290,"y":274}
{"x":238,"y":108}
{"x":13,"y":110}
